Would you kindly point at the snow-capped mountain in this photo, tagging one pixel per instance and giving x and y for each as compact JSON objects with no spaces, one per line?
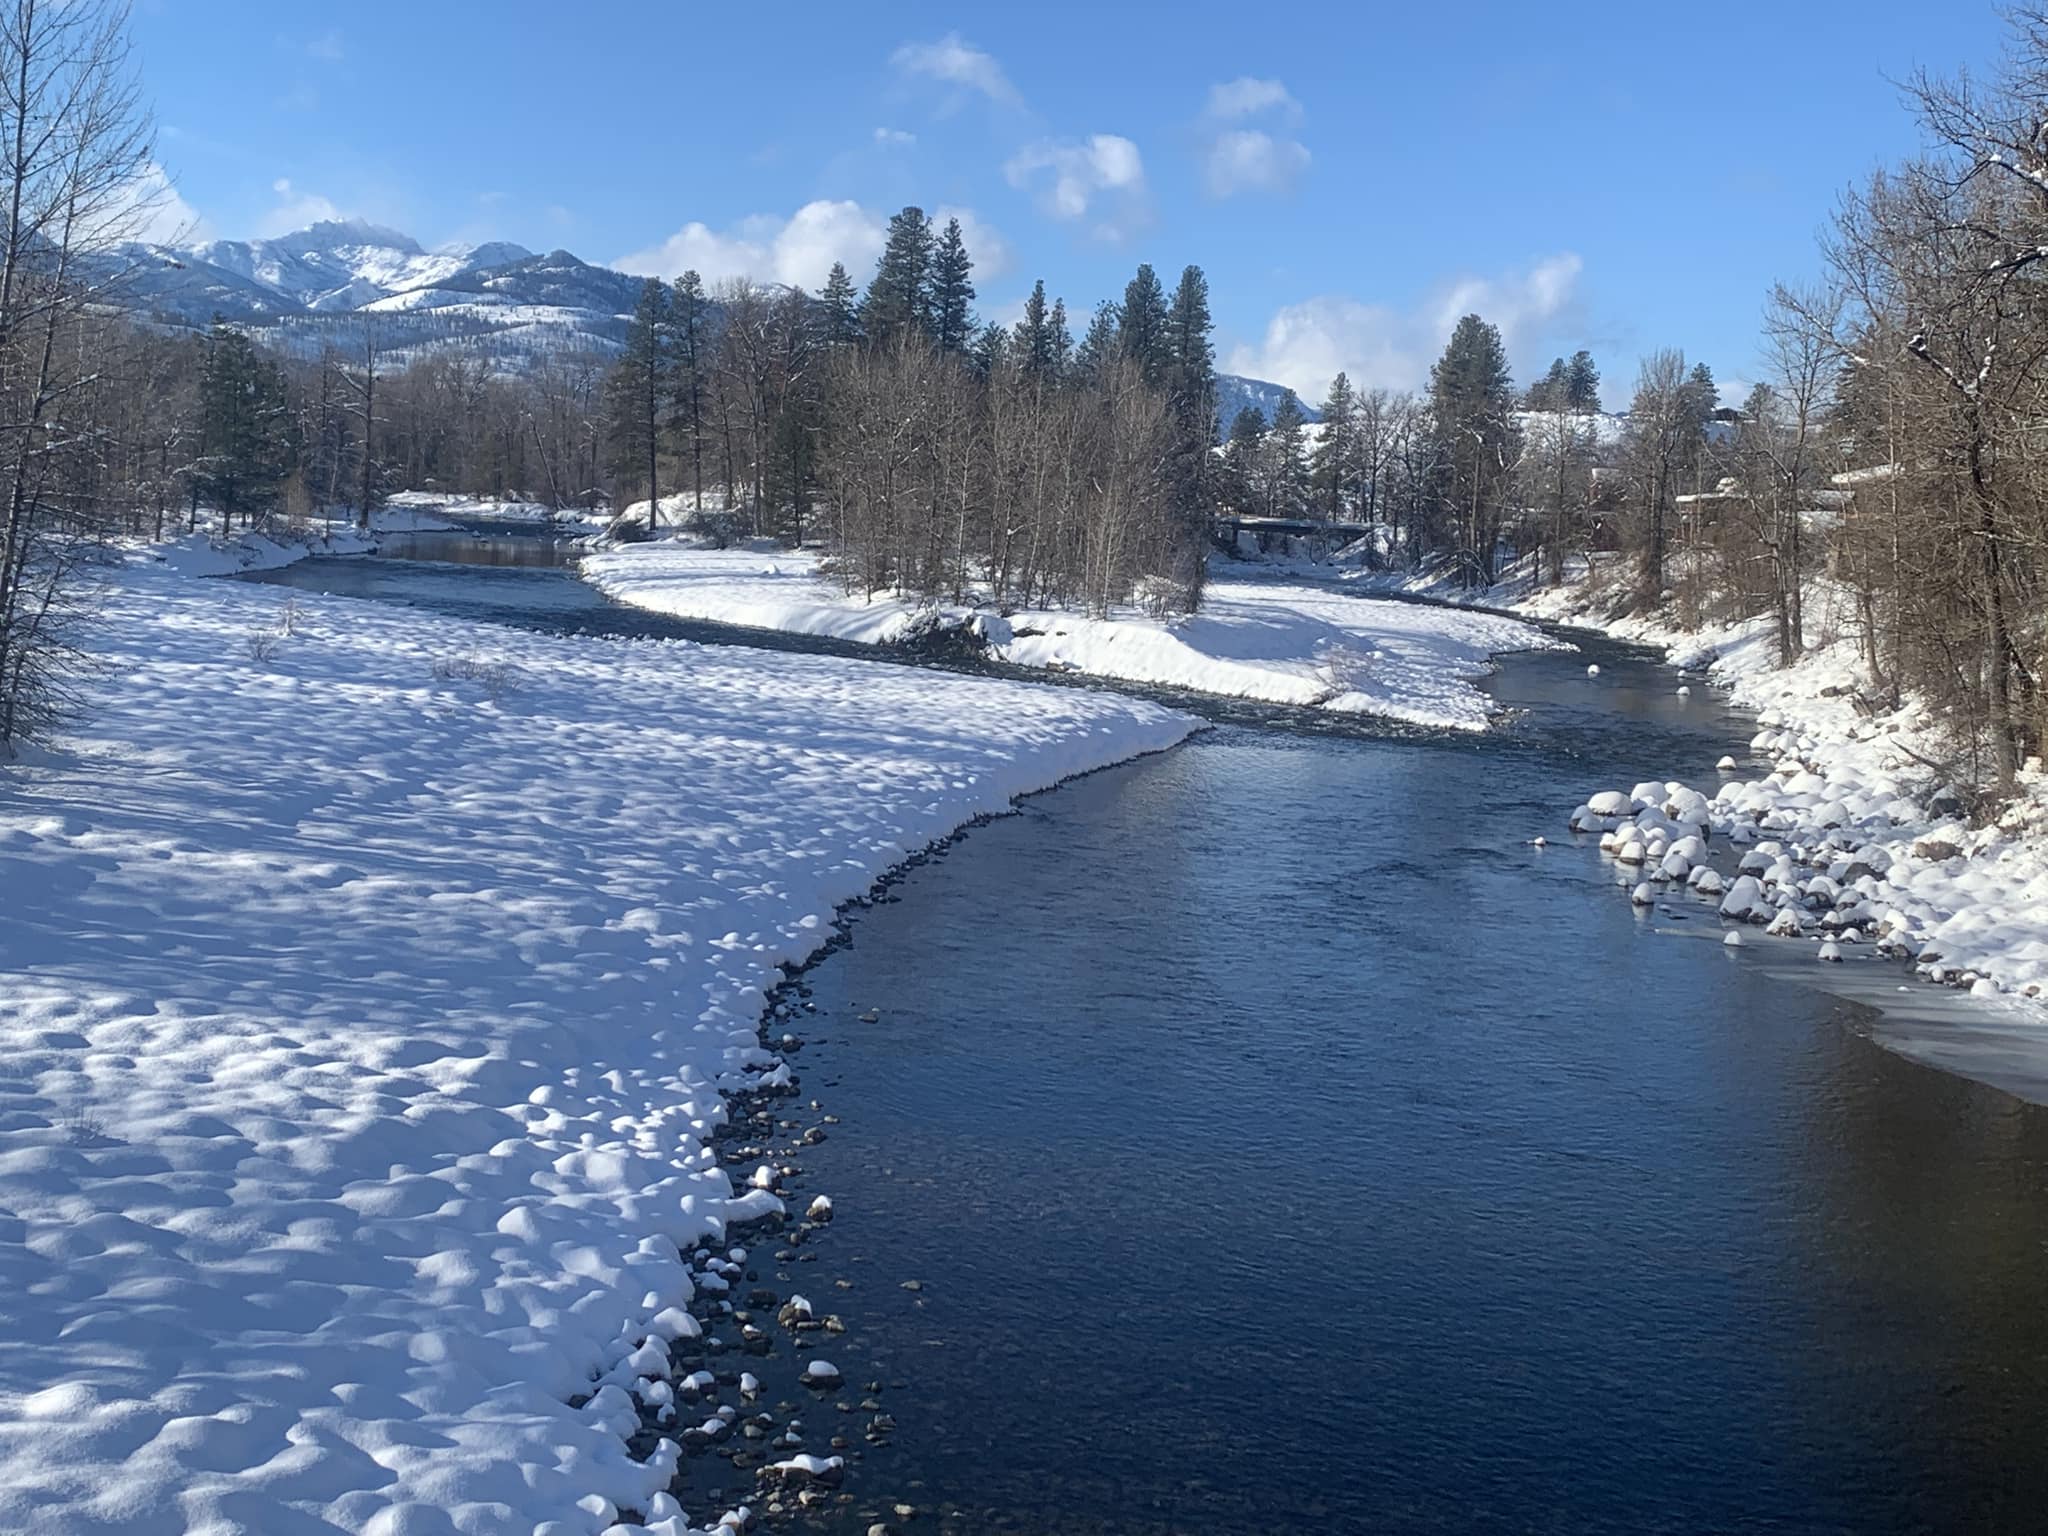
{"x":1234,"y":392}
{"x":336,"y":282}
{"x":346,"y":264}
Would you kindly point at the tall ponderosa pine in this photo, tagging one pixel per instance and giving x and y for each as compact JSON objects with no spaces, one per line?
{"x":1060,"y":338}
{"x":245,"y":447}
{"x":1581,"y":384}
{"x":1243,"y":448}
{"x":1472,"y":402}
{"x":638,"y":392}
{"x":1034,"y":338}
{"x":1334,"y":463}
{"x":1287,"y":466}
{"x":1098,"y":344}
{"x":1142,"y":326}
{"x":686,"y":319}
{"x":899,"y":297}
{"x":1548,"y":393}
{"x":1190,"y":380}
{"x":952,"y":292}
{"x":840,"y":304}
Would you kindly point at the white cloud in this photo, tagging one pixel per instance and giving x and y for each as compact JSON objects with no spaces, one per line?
{"x":326,"y":46}
{"x":1238,"y":160}
{"x":801,"y":249}
{"x":294,"y":210}
{"x":985,"y":243}
{"x":893,"y":138}
{"x":149,"y":208}
{"x":1103,"y":174}
{"x":1247,"y":160}
{"x":1308,"y":344}
{"x":1246,"y":97}
{"x":957,"y":62}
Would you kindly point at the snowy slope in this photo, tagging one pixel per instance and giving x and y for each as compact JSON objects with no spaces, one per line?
{"x":345,"y":264}
{"x":314,"y":287}
{"x":365,"y":1007}
{"x":1283,"y":644}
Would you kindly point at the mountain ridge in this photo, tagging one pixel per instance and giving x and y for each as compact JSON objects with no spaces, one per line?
{"x":329,"y":283}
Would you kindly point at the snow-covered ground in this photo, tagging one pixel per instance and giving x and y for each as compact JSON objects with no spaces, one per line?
{"x":1257,"y":639}
{"x":370,"y":982}
{"x":1844,"y":791}
{"x":447,"y":510}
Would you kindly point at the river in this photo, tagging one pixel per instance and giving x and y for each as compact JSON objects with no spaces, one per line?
{"x":1275,"y":1141}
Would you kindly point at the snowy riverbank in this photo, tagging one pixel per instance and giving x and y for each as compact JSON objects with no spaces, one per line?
{"x":1852,"y":836}
{"x":370,"y":985}
{"x":1272,"y":641}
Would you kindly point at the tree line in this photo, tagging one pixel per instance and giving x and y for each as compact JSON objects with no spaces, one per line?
{"x":933,"y":454}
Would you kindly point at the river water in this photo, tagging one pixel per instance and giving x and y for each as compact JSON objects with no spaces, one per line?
{"x":1275,"y":1141}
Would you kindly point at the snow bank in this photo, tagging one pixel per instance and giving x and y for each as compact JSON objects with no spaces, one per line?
{"x":202,"y":554}
{"x":1276,"y":642}
{"x":443,"y":511}
{"x":1844,"y":829}
{"x":366,"y":1001}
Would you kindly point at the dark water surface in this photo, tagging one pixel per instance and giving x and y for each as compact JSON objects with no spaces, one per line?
{"x":1280,"y":1144}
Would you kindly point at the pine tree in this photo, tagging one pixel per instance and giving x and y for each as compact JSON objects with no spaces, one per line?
{"x":951,"y":320}
{"x":1336,"y":453}
{"x":1034,"y":339}
{"x":1241,"y":459}
{"x":638,"y":393}
{"x":1142,"y":325}
{"x":1288,"y":470}
{"x":1190,"y":380}
{"x":245,"y":444}
{"x":899,"y":297}
{"x":841,"y":305}
{"x":1098,"y":343}
{"x":687,"y":320}
{"x":991,"y":345}
{"x":1059,"y":339}
{"x":1582,"y":384}
{"x":1471,"y":404}
{"x":1548,"y":393}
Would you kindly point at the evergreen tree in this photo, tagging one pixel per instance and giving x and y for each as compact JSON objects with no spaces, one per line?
{"x":1582,"y":384}
{"x":686,"y":315}
{"x":1287,"y":470}
{"x":1098,"y":343}
{"x":899,"y":297}
{"x":1336,"y":453}
{"x":841,"y":306}
{"x":991,"y":345}
{"x":1471,"y":404}
{"x":1034,"y":339}
{"x":638,"y":393}
{"x":1241,"y":460}
{"x":1142,"y":325}
{"x":244,"y":429}
{"x":1190,"y":380}
{"x":1548,"y":393}
{"x":1059,"y":339}
{"x":951,"y":320}
{"x":1190,"y":355}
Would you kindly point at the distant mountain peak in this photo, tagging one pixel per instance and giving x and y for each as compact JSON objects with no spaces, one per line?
{"x":328,"y":234}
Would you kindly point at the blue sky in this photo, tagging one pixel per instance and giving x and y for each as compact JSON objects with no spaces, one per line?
{"x":1351,"y":177}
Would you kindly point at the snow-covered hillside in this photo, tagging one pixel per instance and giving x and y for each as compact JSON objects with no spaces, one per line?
{"x":335,"y":281}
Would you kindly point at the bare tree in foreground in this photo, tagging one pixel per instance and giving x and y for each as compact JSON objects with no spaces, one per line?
{"x":74,"y":163}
